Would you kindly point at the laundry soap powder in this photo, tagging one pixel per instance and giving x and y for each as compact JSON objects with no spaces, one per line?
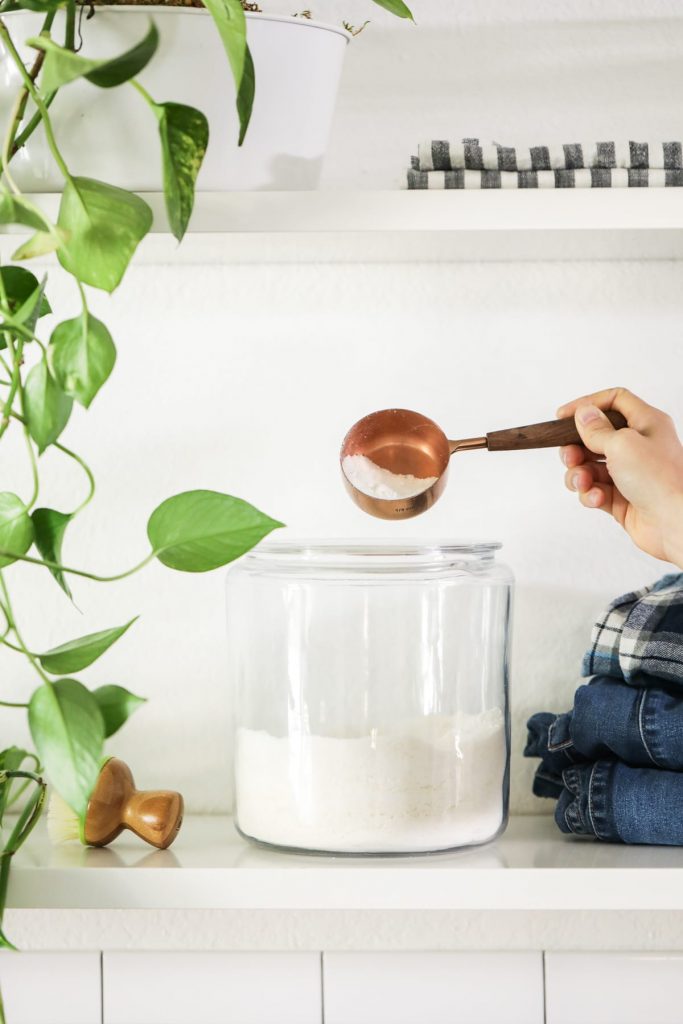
{"x":377,"y":482}
{"x":432,"y":783}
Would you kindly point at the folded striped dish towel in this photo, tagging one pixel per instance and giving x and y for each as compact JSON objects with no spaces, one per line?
{"x":469,"y":164}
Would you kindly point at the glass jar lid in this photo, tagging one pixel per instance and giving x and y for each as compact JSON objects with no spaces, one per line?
{"x":370,"y":556}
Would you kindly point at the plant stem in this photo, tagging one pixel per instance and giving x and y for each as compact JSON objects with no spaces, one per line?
{"x":7,"y":608}
{"x":8,"y":643}
{"x":20,"y":107}
{"x":72,"y":455}
{"x":70,"y":30}
{"x":17,"y":793}
{"x":16,"y":367}
{"x":84,"y":305}
{"x":14,"y":120}
{"x":20,"y":773}
{"x":143,"y":92}
{"x":88,"y":472}
{"x":26,"y":822}
{"x":26,"y":133}
{"x":17,"y":387}
{"x":3,"y":639}
{"x":33,"y":462}
{"x":74,"y":572}
{"x":11,"y":704}
{"x":39,"y":102}
{"x":9,"y":401}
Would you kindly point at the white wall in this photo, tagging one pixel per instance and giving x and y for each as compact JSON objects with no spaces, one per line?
{"x":223,"y":370}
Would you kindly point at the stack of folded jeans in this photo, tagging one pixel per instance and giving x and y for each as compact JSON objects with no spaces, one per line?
{"x":467,"y":163}
{"x":614,"y":763}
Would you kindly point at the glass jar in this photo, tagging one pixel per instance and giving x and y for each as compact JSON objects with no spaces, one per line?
{"x":371,"y":695}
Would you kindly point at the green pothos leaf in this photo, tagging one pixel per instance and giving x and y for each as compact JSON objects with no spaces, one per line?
{"x":49,"y":527}
{"x":77,"y":654}
{"x":201,"y":530}
{"x":184,"y":134}
{"x":16,"y":528}
{"x":39,"y":244}
{"x":103,"y":226}
{"x":22,"y":287}
{"x":396,"y":7}
{"x":228,"y":16}
{"x":25,"y":300}
{"x":16,"y":210}
{"x":245,"y":95}
{"x":35,"y":306}
{"x":117,"y":705}
{"x":68,"y":730}
{"x":81,"y":356}
{"x":46,"y":406}
{"x":62,"y":66}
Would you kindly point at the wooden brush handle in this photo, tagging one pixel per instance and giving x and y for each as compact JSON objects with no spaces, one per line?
{"x":552,"y":434}
{"x":154,"y":815}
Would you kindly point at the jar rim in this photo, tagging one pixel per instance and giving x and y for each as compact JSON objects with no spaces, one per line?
{"x":367,"y":552}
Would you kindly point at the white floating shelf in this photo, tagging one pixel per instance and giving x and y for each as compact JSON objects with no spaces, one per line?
{"x":531,"y":867}
{"x":404,"y":227}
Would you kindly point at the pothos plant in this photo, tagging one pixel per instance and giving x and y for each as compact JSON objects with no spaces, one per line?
{"x":94,"y":237}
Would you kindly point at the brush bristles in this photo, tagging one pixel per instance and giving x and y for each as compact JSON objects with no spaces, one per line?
{"x":63,"y":825}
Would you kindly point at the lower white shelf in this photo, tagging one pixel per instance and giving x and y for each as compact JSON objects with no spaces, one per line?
{"x":531,"y":867}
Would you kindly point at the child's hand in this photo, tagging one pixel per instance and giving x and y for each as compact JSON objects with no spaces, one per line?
{"x":635,"y":474}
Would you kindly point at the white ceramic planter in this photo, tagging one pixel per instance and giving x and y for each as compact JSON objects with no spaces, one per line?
{"x":111,"y":134}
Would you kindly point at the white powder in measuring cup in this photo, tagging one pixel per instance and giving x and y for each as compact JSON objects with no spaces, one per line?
{"x":433,"y":784}
{"x":371,"y":479}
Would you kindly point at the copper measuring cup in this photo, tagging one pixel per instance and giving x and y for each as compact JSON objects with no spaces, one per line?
{"x":409,"y":443}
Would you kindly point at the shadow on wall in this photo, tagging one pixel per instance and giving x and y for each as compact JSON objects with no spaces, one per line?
{"x":551,"y":631}
{"x":292,"y":172}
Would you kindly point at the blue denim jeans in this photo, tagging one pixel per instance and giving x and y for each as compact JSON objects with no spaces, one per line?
{"x":620,"y":804}
{"x":615,"y":762}
{"x":611,"y":720}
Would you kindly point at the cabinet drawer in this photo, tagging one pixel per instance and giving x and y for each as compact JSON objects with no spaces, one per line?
{"x":433,"y":988}
{"x":51,"y":988}
{"x":614,"y":988}
{"x":211,"y":988}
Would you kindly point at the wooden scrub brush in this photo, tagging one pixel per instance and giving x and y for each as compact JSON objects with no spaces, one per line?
{"x":115,"y":805}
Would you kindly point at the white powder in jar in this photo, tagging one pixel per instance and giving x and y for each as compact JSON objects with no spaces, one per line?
{"x":377,"y":482}
{"x":434,"y":784}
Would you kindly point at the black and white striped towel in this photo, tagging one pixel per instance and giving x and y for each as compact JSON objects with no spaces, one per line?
{"x":469,"y":165}
{"x":468,"y":154}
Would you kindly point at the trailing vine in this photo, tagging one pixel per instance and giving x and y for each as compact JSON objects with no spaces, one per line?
{"x":94,"y":237}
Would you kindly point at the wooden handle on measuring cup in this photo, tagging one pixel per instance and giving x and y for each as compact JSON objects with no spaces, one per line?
{"x":552,"y":434}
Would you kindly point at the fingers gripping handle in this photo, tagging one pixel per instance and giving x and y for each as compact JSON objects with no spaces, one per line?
{"x":552,"y":434}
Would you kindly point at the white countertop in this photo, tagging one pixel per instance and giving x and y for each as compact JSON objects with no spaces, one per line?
{"x":531,"y":867}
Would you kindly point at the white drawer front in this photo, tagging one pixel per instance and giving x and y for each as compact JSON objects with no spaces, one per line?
{"x":212,"y":988}
{"x":51,"y":988}
{"x":433,"y":988}
{"x":614,"y":988}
